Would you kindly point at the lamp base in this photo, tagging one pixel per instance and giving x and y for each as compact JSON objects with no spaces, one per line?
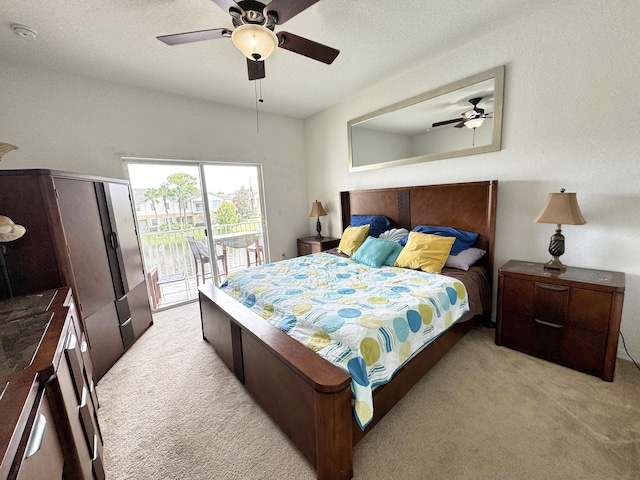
{"x":556,"y":248}
{"x":318,"y":229}
{"x":555,"y":266}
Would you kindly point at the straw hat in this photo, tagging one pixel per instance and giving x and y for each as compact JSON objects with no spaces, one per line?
{"x":10,"y":231}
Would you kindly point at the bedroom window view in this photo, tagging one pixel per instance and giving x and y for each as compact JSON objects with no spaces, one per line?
{"x":197,"y":223}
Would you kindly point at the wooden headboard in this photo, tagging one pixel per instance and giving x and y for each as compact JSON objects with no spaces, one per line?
{"x":468,"y":206}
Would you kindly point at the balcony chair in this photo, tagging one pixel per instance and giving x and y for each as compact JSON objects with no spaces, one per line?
{"x":201,"y":258}
{"x":156,"y":292}
{"x":257,"y":250}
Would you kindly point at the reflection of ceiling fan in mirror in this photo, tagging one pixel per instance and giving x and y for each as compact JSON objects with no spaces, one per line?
{"x":253,"y":35}
{"x":472,"y":118}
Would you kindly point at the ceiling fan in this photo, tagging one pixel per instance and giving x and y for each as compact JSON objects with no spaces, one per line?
{"x":253,"y":34}
{"x":472,"y":118}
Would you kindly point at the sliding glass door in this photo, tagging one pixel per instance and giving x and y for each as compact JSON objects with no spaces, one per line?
{"x":236,"y":225}
{"x":197,"y":222}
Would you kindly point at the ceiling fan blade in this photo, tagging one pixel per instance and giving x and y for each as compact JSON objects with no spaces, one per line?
{"x":285,"y":9}
{"x":460,"y":125}
{"x":188,"y":37}
{"x":228,"y":5}
{"x":446,"y":122}
{"x":306,"y":47}
{"x":255,"y":69}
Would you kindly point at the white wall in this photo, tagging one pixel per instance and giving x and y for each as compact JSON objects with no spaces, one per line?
{"x":448,"y":138}
{"x":571,"y":95}
{"x":375,"y":146}
{"x":82,"y":125}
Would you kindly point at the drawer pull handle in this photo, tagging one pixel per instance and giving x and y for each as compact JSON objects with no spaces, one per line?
{"x":37,"y":435}
{"x":126,"y":323}
{"x":83,"y":400}
{"x":548,"y":324}
{"x":72,"y":341}
{"x":557,"y":288}
{"x":96,"y":449}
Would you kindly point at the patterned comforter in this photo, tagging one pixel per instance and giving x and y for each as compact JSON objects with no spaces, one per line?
{"x":367,"y":321}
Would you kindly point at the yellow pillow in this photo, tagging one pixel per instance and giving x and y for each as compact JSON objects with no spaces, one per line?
{"x":352,"y":238}
{"x":425,"y":252}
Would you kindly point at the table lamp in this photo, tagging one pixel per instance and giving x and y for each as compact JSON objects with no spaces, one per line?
{"x":317,"y":210}
{"x":560,"y":208}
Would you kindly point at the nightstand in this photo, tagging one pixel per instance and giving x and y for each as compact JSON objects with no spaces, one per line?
{"x":309,"y":245}
{"x":570,"y":318}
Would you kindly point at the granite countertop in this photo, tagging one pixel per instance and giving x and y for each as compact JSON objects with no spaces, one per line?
{"x":23,"y":322}
{"x":30,"y":330}
{"x":19,"y":340}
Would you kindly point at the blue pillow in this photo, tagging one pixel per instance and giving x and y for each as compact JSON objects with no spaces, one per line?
{"x":377,"y":223}
{"x":391,"y":258}
{"x":373,"y":252}
{"x":463,"y":239}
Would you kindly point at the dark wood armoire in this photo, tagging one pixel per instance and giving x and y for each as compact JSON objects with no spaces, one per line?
{"x":80,"y":232}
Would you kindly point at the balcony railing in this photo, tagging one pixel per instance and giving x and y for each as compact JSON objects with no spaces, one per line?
{"x":169,"y":253}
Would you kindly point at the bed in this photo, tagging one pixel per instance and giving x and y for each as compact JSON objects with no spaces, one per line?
{"x":310,"y":398}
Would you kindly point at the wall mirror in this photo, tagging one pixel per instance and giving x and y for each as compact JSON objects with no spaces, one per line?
{"x":462,"y":118}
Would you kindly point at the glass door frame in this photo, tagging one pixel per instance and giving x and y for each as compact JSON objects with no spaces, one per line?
{"x":201,"y":166}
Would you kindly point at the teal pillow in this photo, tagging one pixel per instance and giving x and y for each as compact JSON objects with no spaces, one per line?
{"x":373,"y":252}
{"x":391,"y":258}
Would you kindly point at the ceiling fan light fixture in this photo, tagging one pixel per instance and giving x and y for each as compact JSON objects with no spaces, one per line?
{"x":474,"y":122}
{"x":254,"y":41}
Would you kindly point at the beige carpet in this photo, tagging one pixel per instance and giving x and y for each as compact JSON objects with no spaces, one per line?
{"x":170,"y":409}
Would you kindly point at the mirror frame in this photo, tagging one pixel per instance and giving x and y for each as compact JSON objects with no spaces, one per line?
{"x":496,"y":73}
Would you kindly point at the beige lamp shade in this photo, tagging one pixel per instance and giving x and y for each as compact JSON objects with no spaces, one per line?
{"x":10,"y":231}
{"x":254,"y":41}
{"x":317,"y":210}
{"x":562,"y":209}
{"x":6,"y":148}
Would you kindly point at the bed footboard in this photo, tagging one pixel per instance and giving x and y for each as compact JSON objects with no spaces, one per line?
{"x":308,"y":397}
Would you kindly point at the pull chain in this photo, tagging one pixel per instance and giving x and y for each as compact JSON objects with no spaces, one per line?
{"x":258,"y":100}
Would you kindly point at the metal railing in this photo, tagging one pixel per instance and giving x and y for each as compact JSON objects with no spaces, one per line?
{"x":169,"y":250}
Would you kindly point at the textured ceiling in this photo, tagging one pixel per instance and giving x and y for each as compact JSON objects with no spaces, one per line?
{"x":115,"y":40}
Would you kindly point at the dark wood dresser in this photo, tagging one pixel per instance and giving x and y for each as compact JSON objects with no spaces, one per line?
{"x":48,"y":403}
{"x":570,"y":318}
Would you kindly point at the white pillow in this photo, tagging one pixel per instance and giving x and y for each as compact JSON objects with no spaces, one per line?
{"x":465,"y":258}
{"x":395,"y":234}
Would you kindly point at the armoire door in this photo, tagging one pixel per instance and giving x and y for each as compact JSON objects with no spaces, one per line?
{"x":123,"y":225}
{"x":83,"y":230}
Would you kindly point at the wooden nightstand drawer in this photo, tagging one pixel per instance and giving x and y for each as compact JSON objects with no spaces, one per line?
{"x":309,"y":245}
{"x":587,"y":308}
{"x":550,"y":304}
{"x":570,"y":318}
{"x":572,"y":347}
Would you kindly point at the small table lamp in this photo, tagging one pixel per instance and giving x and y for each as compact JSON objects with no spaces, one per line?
{"x":317,"y":210}
{"x":560,"y":208}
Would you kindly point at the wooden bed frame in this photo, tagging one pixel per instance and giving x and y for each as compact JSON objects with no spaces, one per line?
{"x":308,"y":397}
